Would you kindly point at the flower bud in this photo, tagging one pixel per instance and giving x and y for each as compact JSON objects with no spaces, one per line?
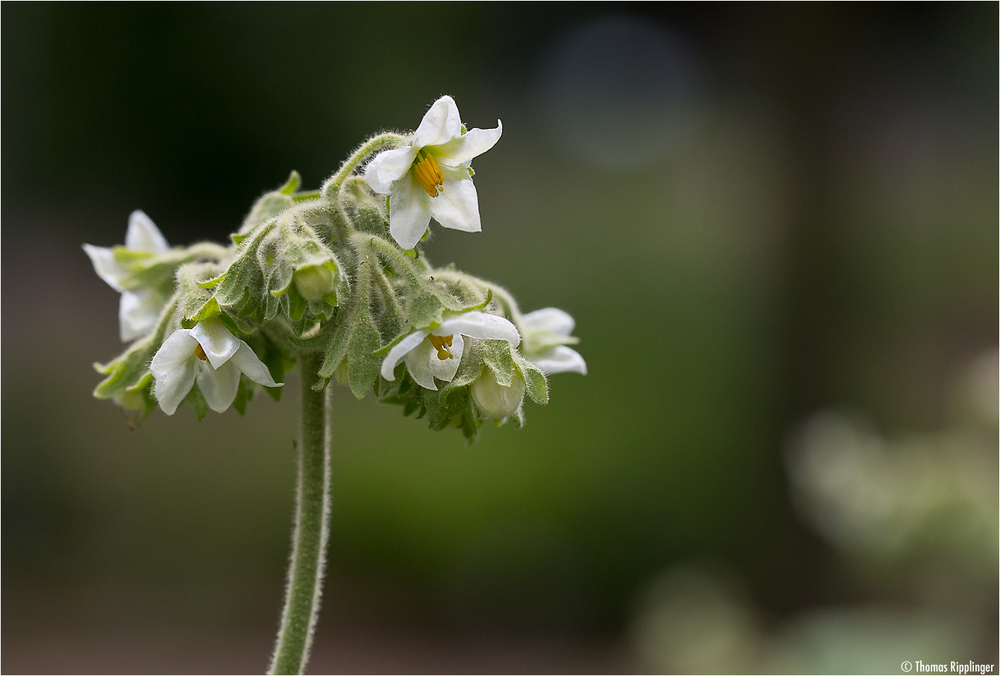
{"x":131,"y":400}
{"x":495,"y":400}
{"x":314,"y":281}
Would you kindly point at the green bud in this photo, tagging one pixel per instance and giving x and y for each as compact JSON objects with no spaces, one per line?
{"x":495,"y":400}
{"x":314,"y":282}
{"x":131,"y":400}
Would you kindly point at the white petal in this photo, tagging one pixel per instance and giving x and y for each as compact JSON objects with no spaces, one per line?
{"x":418,"y":364}
{"x":246,"y":360}
{"x":173,"y":354}
{"x":216,"y":340}
{"x":171,"y":389}
{"x":561,"y":359}
{"x":424,"y":364}
{"x":473,"y":143}
{"x":143,"y":235}
{"x":409,"y":212}
{"x":105,"y":265}
{"x":400,"y":350}
{"x":550,"y":319}
{"x":218,"y":386}
{"x":138,"y":312}
{"x":388,"y":167}
{"x":457,"y":206}
{"x":440,"y":124}
{"x":480,"y":325}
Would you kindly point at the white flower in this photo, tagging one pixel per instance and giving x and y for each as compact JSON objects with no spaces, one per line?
{"x":432,"y":176}
{"x":437,"y":353}
{"x":210,"y":355}
{"x":138,"y":310}
{"x":546,"y":335}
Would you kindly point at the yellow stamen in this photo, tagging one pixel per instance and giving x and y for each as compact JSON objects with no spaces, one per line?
{"x":441,"y":344}
{"x":427,"y":171}
{"x":199,"y":352}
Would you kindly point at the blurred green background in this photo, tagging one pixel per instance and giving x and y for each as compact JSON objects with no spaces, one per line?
{"x":753,"y":212}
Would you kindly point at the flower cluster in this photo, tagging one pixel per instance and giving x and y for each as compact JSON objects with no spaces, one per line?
{"x":337,"y":273}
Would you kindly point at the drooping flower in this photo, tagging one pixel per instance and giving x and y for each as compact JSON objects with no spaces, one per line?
{"x":546,"y":337}
{"x":210,"y":355}
{"x":494,"y":400}
{"x":436,"y":353}
{"x":139,"y":309}
{"x":432,"y":177}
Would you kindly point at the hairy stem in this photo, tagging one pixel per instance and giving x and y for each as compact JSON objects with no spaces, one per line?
{"x":312,"y":527}
{"x":370,"y":146}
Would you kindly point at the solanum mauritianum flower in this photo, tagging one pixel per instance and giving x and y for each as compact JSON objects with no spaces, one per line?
{"x":546,"y":339}
{"x":432,"y":177}
{"x":436,"y":353}
{"x":211,"y":355}
{"x":140,"y":308}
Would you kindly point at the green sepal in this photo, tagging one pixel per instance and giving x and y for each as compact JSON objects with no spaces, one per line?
{"x":243,"y":277}
{"x":497,"y":357}
{"x":482,"y":305}
{"x":279,"y":358}
{"x":535,"y":383}
{"x":307,"y":196}
{"x":197,"y":401}
{"x":209,"y":309}
{"x":138,"y":398}
{"x":210,"y":283}
{"x":355,"y":337}
{"x":128,"y":370}
{"x":155,"y":270}
{"x":237,"y":328}
{"x":363,"y":365}
{"x":244,"y":394}
{"x":313,"y":339}
{"x":386,"y":349}
{"x":540,"y":342}
{"x":365,"y":213}
{"x":296,"y":304}
{"x":292,"y":184}
{"x":130,"y":257}
{"x":267,"y":207}
{"x":196,"y":303}
{"x":337,"y":349}
{"x":425,"y":309}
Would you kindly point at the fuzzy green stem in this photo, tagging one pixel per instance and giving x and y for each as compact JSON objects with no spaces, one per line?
{"x":370,"y":146}
{"x":306,"y":196}
{"x":312,"y":527}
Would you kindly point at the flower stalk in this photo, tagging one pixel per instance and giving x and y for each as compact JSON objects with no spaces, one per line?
{"x":372,"y":145}
{"x":337,"y":281}
{"x":312,"y":529}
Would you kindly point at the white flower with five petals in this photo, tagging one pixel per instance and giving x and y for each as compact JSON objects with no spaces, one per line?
{"x":210,"y":355}
{"x":436,"y":353}
{"x":432,"y":176}
{"x":546,"y":339}
{"x":138,"y":310}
